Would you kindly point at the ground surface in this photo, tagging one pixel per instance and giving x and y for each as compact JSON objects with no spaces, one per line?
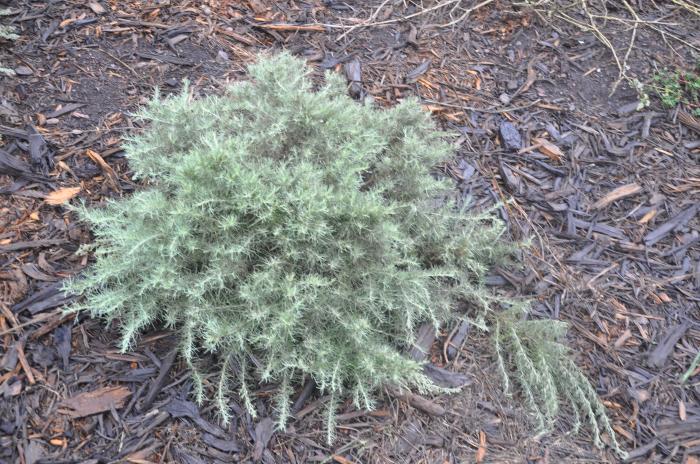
{"x":621,"y":266}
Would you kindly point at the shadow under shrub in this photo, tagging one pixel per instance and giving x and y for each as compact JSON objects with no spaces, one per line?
{"x":293,"y":233}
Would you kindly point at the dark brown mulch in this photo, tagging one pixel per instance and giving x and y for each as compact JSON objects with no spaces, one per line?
{"x":608,"y":195}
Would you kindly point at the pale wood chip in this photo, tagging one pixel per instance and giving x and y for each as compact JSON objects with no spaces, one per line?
{"x":61,"y":196}
{"x":617,"y":194}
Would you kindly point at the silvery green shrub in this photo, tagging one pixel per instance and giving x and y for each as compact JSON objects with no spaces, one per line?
{"x":294,"y":234}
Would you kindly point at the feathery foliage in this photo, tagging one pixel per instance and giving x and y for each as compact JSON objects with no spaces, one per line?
{"x":7,"y":33}
{"x":293,"y":233}
{"x":531,"y":351}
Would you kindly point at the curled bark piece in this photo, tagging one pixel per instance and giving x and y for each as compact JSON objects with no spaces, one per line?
{"x":417,"y":401}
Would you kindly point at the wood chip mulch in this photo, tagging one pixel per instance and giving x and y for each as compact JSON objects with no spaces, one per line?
{"x":609,"y":196}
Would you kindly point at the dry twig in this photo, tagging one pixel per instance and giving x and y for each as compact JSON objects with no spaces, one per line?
{"x":371,"y":23}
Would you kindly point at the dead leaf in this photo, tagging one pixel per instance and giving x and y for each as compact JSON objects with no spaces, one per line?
{"x":34,"y":452}
{"x":341,"y":460}
{"x":141,"y":456}
{"x":96,"y":8}
{"x":641,"y":395}
{"x":106,"y":168}
{"x":8,"y":389}
{"x":624,"y":432}
{"x":418,"y":71}
{"x":549,"y":149}
{"x":648,"y":216}
{"x":531,"y":78}
{"x":481,"y":452}
{"x":23,"y":362}
{"x":263,"y":433}
{"x":619,"y":343}
{"x":58,"y":442}
{"x":17,"y":281}
{"x":257,"y":6}
{"x":681,"y":411}
{"x":89,"y":403}
{"x":60,"y":196}
{"x":66,"y":22}
{"x":688,"y":120}
{"x":617,"y":194}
